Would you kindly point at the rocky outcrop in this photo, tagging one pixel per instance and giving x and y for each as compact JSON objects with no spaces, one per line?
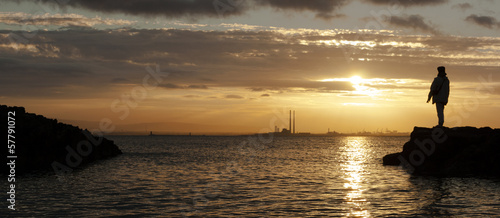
{"x":45,"y":144}
{"x":460,"y":151}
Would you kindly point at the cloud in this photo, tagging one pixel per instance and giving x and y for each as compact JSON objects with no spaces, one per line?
{"x":192,"y":96}
{"x":408,"y":3}
{"x":19,"y":18}
{"x":103,"y":63}
{"x":323,"y":8}
{"x":169,"y":8}
{"x":265,"y":95}
{"x":197,"y":87}
{"x":120,"y":80}
{"x":171,"y":86}
{"x":299,"y":85}
{"x":485,"y":21}
{"x":44,"y":77}
{"x":255,"y":89}
{"x":462,"y":6}
{"x":300,"y":5}
{"x":415,"y":22}
{"x":329,"y":16}
{"x":202,"y":8}
{"x":234,"y":97}
{"x":174,"y":86}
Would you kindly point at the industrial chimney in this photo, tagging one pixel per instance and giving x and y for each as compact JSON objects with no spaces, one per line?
{"x":294,"y":122}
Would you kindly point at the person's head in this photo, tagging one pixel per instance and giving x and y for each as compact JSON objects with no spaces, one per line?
{"x":441,"y":71}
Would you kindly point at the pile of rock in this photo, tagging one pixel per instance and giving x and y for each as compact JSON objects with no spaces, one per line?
{"x":45,"y":144}
{"x":441,"y":151}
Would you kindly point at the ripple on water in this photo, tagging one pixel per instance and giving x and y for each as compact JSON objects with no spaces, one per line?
{"x":217,"y":176}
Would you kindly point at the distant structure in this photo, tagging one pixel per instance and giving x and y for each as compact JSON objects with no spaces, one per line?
{"x":332,"y":133}
{"x":291,"y":129}
{"x":285,"y":131}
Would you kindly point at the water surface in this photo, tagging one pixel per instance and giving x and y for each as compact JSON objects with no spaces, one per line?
{"x":212,"y":176}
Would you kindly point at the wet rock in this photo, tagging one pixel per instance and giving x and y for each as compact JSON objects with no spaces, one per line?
{"x":459,"y":151}
{"x":46,"y":144}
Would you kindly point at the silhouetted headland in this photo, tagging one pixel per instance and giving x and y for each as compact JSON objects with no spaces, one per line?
{"x":44,"y":144}
{"x":442,"y":151}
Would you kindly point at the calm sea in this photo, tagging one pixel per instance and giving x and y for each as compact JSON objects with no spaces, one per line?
{"x":204,"y":176}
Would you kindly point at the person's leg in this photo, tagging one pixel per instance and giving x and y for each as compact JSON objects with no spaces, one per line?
{"x":440,"y":112}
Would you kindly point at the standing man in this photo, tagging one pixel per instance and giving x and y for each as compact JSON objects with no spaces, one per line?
{"x":440,"y":90}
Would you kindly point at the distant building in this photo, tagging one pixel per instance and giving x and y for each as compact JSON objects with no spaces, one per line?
{"x":285,"y":131}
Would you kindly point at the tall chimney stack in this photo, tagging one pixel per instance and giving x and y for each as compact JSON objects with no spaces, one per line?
{"x":290,"y":123}
{"x":294,"y":122}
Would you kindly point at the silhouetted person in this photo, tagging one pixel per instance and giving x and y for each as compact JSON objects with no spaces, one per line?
{"x":440,"y":90}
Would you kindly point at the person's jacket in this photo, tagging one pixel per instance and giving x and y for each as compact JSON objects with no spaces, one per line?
{"x":440,"y":90}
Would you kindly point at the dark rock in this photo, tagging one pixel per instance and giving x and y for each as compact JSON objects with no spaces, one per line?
{"x":392,"y":159}
{"x":45,"y":144}
{"x":460,"y":151}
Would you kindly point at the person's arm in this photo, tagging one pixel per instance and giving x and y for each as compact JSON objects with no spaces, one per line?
{"x":434,"y":88}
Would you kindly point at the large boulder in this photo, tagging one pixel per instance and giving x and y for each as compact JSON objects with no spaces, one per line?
{"x":45,"y":144}
{"x":442,"y":151}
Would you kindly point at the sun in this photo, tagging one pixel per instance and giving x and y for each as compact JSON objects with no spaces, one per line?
{"x":356,"y":80}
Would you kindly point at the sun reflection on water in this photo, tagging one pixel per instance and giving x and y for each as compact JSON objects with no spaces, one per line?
{"x":354,"y":155}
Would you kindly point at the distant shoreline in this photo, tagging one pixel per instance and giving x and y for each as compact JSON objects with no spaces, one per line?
{"x":274,"y":134}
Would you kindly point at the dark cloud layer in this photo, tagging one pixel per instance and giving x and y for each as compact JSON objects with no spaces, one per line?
{"x":169,"y":8}
{"x":415,"y":22}
{"x":201,"y":8}
{"x":299,"y":5}
{"x":408,"y":3}
{"x":485,"y":21}
{"x":325,"y":8}
{"x":54,"y":63}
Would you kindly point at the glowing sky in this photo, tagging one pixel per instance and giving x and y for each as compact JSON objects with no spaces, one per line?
{"x":238,"y":66}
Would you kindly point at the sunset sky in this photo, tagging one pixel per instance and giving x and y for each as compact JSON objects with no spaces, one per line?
{"x":219,"y":66}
